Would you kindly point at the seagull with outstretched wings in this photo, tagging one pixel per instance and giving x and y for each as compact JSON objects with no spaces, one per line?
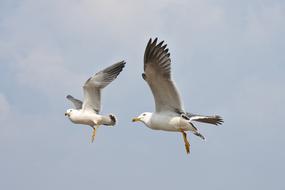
{"x":169,"y":114}
{"x":87,"y":112}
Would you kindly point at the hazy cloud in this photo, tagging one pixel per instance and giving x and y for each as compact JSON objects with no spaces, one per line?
{"x":4,"y":107}
{"x":46,"y":72}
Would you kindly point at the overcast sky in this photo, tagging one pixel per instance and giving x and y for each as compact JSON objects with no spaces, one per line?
{"x":227,"y":59}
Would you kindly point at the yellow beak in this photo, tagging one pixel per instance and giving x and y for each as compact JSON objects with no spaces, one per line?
{"x":136,"y":119}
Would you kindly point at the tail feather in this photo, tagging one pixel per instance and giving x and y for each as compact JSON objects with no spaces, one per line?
{"x":109,"y":120}
{"x":113,"y":118}
{"x":215,"y":119}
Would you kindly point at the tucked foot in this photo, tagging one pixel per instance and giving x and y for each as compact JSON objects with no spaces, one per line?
{"x":199,"y":135}
{"x":187,"y":144}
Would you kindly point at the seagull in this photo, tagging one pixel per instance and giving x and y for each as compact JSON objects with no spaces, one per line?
{"x":169,"y":114}
{"x":87,"y":112}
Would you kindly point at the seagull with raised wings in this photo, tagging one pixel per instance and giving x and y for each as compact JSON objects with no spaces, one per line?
{"x":87,"y":112}
{"x":169,"y":114}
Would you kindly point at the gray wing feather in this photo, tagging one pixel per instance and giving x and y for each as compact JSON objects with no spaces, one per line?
{"x":92,"y":87}
{"x":157,"y":73}
{"x":77,"y":103}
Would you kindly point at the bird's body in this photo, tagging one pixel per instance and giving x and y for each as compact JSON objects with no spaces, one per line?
{"x":84,"y":118}
{"x":169,"y":121}
{"x":87,"y":112}
{"x":169,"y":113}
{"x":91,"y":118}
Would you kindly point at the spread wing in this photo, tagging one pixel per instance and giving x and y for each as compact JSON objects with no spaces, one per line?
{"x":92,"y":87}
{"x":77,"y":103}
{"x":157,"y":68}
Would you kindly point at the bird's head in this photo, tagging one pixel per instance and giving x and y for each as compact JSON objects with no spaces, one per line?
{"x":68,"y":112}
{"x":144,"y":118}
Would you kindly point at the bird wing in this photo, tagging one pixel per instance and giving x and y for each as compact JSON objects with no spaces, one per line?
{"x":157,"y":73}
{"x":77,"y":103}
{"x":92,"y":87}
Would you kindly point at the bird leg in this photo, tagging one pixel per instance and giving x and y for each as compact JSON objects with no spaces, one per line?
{"x":94,"y":133}
{"x":187,"y":144}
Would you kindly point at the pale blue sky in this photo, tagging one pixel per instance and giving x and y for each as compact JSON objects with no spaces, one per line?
{"x":228,"y":59}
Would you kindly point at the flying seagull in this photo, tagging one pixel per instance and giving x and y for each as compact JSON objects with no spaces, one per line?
{"x":87,"y":112}
{"x":169,"y":114}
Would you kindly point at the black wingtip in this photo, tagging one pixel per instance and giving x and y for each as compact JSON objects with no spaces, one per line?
{"x":149,"y":42}
{"x":155,"y":41}
{"x":143,"y":76}
{"x":152,"y":42}
{"x":219,"y":119}
{"x":164,"y":46}
{"x":160,"y":44}
{"x":123,"y":63}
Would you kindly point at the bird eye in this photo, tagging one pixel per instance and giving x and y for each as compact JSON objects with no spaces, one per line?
{"x":144,"y":114}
